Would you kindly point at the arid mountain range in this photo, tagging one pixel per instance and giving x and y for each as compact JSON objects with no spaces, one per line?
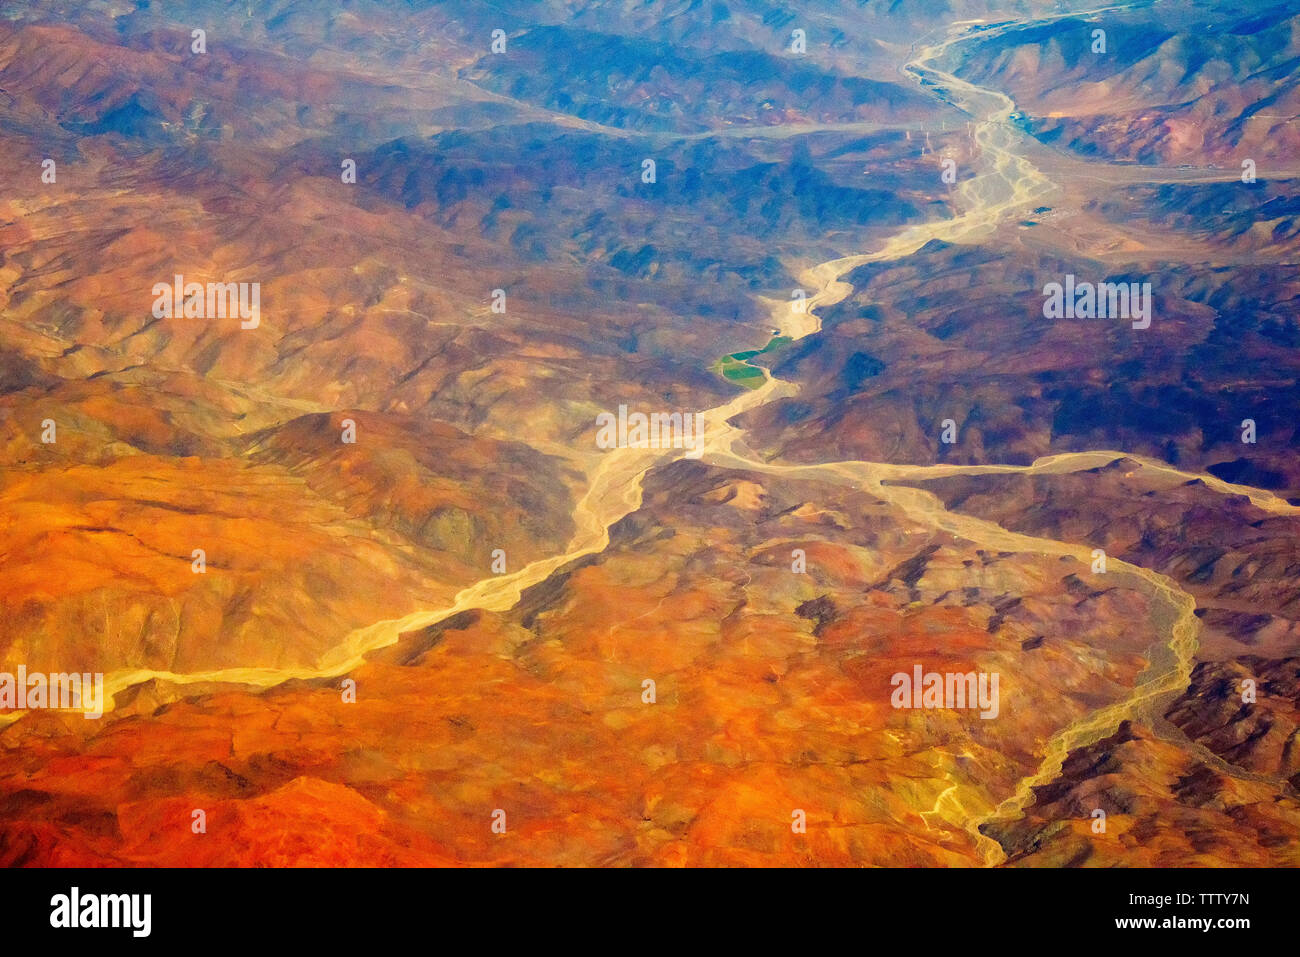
{"x":362,"y":535}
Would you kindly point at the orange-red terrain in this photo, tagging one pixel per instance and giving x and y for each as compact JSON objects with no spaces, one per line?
{"x":435,"y":624}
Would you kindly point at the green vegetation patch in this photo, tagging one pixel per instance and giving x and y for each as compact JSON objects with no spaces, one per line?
{"x":735,"y":367}
{"x":738,"y":372}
